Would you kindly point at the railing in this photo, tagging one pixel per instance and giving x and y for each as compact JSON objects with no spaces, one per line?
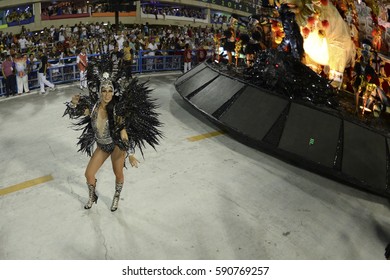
{"x":65,"y":70}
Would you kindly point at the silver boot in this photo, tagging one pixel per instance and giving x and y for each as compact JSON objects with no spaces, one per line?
{"x":92,"y":196}
{"x":115,"y":200}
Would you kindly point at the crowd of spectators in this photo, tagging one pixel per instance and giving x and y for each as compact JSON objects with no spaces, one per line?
{"x":60,"y":8}
{"x":101,"y":37}
{"x":63,"y":8}
{"x":178,"y":11}
{"x":162,"y":10}
{"x":63,"y":43}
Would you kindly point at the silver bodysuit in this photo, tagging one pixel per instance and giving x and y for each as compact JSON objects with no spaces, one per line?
{"x":102,"y":132}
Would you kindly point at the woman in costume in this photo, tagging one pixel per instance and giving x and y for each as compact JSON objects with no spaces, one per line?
{"x":229,"y":44}
{"x":118,"y":115}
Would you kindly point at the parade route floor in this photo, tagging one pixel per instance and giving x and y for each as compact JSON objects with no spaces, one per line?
{"x":200,"y":195}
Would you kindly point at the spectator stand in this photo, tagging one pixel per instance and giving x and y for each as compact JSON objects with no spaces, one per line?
{"x":64,"y":10}
{"x":168,"y":11}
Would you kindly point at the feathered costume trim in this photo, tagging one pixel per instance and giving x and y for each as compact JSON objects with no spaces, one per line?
{"x":280,"y":72}
{"x":133,"y":110}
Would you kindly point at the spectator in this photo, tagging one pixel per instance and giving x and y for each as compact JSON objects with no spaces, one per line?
{"x":116,"y":58}
{"x":22,"y":43}
{"x":127,"y":58}
{"x":187,"y":58}
{"x":146,"y":29}
{"x":44,"y":65}
{"x":21,"y":74}
{"x":8,"y":70}
{"x":120,"y":39}
{"x":152,"y":47}
{"x":82,"y":63}
{"x":31,"y":67}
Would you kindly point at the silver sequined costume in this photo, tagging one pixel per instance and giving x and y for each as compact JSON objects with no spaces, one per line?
{"x":102,"y":136}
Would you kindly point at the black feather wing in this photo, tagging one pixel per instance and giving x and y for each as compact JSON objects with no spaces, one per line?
{"x":83,"y":123}
{"x":138,"y":109}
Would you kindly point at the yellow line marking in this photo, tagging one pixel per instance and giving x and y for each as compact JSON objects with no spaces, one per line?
{"x":206,"y":135}
{"x":26,"y":184}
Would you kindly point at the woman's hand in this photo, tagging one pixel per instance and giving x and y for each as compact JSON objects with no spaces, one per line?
{"x":133,"y":161}
{"x":124,"y":136}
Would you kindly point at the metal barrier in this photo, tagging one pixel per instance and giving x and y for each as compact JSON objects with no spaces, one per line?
{"x":65,"y":70}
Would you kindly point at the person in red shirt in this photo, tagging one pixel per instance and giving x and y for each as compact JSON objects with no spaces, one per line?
{"x":82,"y":62}
{"x":187,"y":58}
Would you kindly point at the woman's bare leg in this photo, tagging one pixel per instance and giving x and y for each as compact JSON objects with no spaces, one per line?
{"x":96,"y":161}
{"x":93,"y":166}
{"x":118,"y":161}
{"x":230,"y":57}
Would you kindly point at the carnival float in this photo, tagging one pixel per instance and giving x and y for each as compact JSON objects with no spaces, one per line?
{"x":309,"y":84}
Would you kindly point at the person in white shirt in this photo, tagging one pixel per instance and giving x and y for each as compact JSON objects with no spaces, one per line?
{"x":76,"y":30}
{"x":120,"y":39}
{"x":83,"y":32}
{"x":52,"y":29}
{"x":97,"y":27}
{"x":29,"y":43}
{"x":111,"y":46}
{"x":21,"y":74}
{"x":68,"y":30}
{"x":22,"y":43}
{"x":152,"y":47}
{"x":61,"y":37}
